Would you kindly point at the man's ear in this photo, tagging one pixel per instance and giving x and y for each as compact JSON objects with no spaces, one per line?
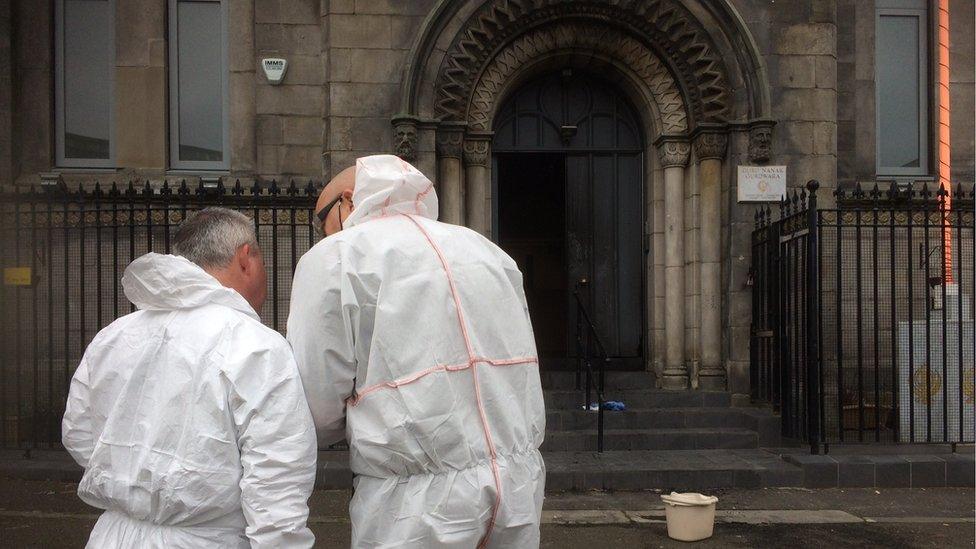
{"x":347,"y":195}
{"x":243,"y":257}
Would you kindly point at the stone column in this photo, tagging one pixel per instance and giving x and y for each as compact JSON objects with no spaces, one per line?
{"x":477,"y":184}
{"x":449,"y":142}
{"x":140,"y":83}
{"x":709,"y":151}
{"x":673,"y":152}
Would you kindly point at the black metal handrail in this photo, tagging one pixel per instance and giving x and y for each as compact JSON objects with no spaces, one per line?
{"x":585,"y":334}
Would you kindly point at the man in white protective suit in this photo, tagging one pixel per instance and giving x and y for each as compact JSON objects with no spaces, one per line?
{"x":188,"y":415}
{"x":414,"y":343}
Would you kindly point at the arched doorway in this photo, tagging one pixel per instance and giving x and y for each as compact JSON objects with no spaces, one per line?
{"x":567,"y":157}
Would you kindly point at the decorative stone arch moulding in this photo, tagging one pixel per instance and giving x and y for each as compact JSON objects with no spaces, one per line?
{"x":517,"y":27}
{"x":474,"y":31}
{"x":574,"y":36}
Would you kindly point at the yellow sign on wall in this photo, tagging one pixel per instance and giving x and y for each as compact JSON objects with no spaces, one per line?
{"x":17,"y":276}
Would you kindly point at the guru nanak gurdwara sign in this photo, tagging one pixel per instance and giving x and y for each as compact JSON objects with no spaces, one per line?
{"x":761,"y":183}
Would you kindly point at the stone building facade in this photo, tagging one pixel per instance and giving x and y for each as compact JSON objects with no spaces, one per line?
{"x":708,"y":85}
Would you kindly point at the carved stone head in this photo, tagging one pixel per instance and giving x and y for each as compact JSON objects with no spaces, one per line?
{"x":405,"y":141}
{"x":760,"y":143}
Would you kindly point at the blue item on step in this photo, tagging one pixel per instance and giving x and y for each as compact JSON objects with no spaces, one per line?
{"x":609,"y":405}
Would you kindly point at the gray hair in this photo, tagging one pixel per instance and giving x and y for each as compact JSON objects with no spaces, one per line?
{"x":212,"y":236}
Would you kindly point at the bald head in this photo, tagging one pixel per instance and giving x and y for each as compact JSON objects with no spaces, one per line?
{"x":341,"y":185}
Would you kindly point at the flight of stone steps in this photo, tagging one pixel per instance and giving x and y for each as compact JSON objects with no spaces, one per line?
{"x":664,"y":440}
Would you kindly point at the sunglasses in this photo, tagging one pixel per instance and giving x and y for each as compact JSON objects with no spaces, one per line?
{"x":324,"y":213}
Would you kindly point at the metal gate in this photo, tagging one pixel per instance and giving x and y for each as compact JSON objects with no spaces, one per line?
{"x":63,"y":253}
{"x":862,"y":324}
{"x":783,"y":343}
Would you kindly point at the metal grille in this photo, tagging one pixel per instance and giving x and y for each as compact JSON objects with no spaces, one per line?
{"x":63,"y":254}
{"x":888,"y":279}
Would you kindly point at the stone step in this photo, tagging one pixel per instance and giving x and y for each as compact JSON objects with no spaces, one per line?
{"x":650,"y":439}
{"x":566,"y":399}
{"x":679,"y":470}
{"x":653,"y":418}
{"x":614,"y":380}
{"x":637,"y":470}
{"x":665,"y":470}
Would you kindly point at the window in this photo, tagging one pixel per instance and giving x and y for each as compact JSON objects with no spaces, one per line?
{"x":901,"y":83}
{"x":85,"y":64}
{"x":199,"y":132}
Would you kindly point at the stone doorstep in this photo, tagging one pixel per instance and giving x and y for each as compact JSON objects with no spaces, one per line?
{"x":885,"y":470}
{"x":592,"y":517}
{"x":651,"y":439}
{"x":570,"y":399}
{"x":641,"y":470}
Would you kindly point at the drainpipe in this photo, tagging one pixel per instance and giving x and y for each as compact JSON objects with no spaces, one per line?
{"x":944,"y":150}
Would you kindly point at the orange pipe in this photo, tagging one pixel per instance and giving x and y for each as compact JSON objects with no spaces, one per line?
{"x":944,"y":122}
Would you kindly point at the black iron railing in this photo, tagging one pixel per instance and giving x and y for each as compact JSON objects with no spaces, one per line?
{"x":862,"y":317}
{"x":590,"y":348}
{"x":62,"y":254}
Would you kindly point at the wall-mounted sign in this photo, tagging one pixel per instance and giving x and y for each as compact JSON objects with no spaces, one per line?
{"x":274,"y":69}
{"x":17,"y":276}
{"x":762,"y":183}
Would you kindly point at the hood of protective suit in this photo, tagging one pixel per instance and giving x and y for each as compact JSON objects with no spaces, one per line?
{"x":159,"y":282}
{"x":387,"y":185}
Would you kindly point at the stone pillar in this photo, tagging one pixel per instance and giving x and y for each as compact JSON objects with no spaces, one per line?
{"x":673,"y":152}
{"x":709,"y":151}
{"x":477,"y":183}
{"x":449,"y":141}
{"x":140,"y":83}
{"x":243,"y":98}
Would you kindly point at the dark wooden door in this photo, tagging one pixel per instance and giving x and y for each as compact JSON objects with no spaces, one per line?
{"x":569,"y":209}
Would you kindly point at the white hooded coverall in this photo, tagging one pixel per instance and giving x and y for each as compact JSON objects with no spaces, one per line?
{"x":190,"y":420}
{"x":414,"y":343}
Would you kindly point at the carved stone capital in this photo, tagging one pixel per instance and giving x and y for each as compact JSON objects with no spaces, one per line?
{"x":760,"y":140}
{"x":449,"y":142}
{"x":405,"y":137}
{"x":673,"y":152}
{"x":476,"y":151}
{"x":711,"y":145}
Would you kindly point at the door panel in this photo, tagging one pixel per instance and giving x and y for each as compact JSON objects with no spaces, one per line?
{"x":532,"y":229}
{"x":630,"y":255}
{"x":603,"y":266}
{"x":600,"y":149}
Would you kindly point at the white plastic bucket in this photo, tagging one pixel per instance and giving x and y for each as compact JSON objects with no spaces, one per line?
{"x":691,"y":516}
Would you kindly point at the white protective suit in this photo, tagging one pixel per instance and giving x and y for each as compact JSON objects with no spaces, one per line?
{"x":414,"y":343}
{"x":190,"y":420}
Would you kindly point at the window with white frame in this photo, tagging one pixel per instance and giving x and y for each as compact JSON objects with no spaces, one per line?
{"x":85,"y":65}
{"x":198,"y":79}
{"x":901,"y":83}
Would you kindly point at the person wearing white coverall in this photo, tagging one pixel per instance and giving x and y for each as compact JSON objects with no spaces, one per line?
{"x":188,"y":415}
{"x":414,"y":344}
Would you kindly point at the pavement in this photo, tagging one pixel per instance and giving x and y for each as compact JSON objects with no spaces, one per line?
{"x":45,"y":513}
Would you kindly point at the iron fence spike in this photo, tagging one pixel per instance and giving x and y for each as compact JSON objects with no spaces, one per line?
{"x":925,"y":193}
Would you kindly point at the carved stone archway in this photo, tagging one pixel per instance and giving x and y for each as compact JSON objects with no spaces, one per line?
{"x":579,"y":37}
{"x":664,"y":27}
{"x":471,"y":54}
